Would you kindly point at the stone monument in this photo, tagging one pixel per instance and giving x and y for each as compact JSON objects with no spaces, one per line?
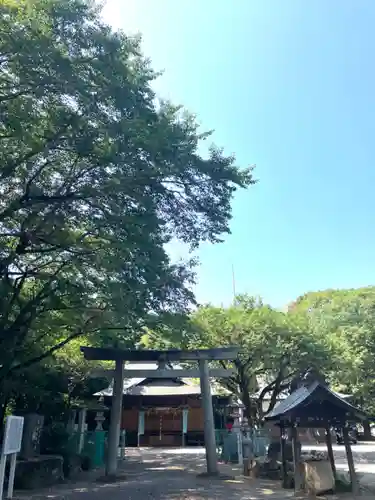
{"x":32,"y":430}
{"x":35,"y":470}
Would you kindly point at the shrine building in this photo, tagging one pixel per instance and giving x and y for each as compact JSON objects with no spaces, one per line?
{"x":165,"y":411}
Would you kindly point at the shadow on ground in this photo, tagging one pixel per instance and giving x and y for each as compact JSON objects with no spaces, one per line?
{"x":160,"y":477}
{"x":154,"y":474}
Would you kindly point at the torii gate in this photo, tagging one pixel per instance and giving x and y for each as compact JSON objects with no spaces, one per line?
{"x":203,"y":356}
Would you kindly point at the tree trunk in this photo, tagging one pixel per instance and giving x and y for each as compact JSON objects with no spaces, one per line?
{"x":249,"y":410}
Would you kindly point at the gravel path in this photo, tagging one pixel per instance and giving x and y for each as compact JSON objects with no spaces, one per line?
{"x":172,"y":474}
{"x":161,"y":476}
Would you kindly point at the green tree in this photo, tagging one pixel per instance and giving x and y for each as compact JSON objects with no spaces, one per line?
{"x":275,"y":348}
{"x":96,"y":176}
{"x":346,"y":318}
{"x":55,"y":386}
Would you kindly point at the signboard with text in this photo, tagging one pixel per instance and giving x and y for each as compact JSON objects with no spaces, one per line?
{"x":13,"y":435}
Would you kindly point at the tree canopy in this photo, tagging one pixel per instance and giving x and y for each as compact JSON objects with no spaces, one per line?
{"x":97,"y":174}
{"x":346,"y":317}
{"x":276,"y":348}
{"x":329,"y":334}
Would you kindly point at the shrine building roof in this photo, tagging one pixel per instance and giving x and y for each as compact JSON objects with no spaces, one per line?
{"x":315,"y":406}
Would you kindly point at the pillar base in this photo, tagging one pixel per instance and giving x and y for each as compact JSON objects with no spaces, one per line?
{"x":215,"y":475}
{"x":111,"y":478}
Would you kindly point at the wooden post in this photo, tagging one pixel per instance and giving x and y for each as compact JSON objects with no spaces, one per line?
{"x":12,"y":472}
{"x":240,"y":448}
{"x":284,"y":471}
{"x":185,"y":413}
{"x":3,"y":462}
{"x":330,"y":450}
{"x":81,"y":429}
{"x":296,"y":461}
{"x":71,"y":421}
{"x":349,"y":455}
{"x":141,"y":425}
{"x":115,"y":423}
{"x":209,"y":426}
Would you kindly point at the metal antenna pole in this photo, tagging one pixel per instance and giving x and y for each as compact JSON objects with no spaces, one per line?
{"x":233,"y":283}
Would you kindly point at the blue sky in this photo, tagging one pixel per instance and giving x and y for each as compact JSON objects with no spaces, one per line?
{"x":290,"y":86}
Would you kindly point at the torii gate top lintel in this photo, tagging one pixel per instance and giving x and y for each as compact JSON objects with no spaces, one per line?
{"x":112,"y":354}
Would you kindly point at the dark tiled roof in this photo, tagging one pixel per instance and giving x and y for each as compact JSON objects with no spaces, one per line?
{"x":292,"y":401}
{"x":315,"y":392}
{"x":158,"y":387}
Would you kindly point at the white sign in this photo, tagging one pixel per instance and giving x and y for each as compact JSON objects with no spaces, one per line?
{"x":13,"y":435}
{"x":11,"y":446}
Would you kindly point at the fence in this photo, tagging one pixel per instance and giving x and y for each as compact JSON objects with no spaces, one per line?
{"x":90,"y":444}
{"x":232,"y":446}
{"x":260,"y":440}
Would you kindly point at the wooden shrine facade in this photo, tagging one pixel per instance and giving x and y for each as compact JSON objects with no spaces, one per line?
{"x":165,"y":412}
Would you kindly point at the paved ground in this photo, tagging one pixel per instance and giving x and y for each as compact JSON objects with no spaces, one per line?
{"x":364,"y":457}
{"x":160,"y":476}
{"x":172,"y":474}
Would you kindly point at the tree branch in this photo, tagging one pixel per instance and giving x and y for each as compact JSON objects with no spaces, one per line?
{"x":37,"y":359}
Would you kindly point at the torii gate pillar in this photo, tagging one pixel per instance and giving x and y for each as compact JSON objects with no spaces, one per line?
{"x":115,"y":422}
{"x":208,"y":415}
